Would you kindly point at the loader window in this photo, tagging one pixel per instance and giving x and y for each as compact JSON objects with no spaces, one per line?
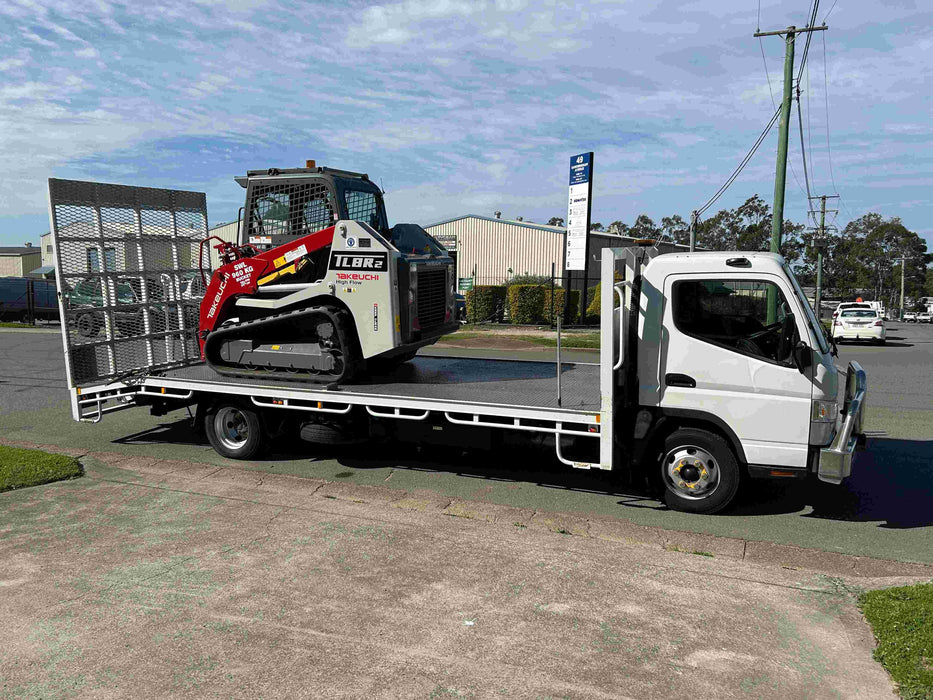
{"x":363,"y":206}
{"x":317,"y":213}
{"x":290,"y":209}
{"x":734,"y":314}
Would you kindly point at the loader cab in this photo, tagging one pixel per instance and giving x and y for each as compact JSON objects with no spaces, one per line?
{"x":284,"y":204}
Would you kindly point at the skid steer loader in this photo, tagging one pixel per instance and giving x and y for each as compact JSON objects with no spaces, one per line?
{"x":319,"y":284}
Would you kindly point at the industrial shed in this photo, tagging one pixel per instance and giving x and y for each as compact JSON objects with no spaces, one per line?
{"x":494,"y":246}
{"x":19,"y":261}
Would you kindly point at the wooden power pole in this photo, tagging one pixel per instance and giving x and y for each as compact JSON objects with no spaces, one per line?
{"x":819,"y":242}
{"x":780,"y":174}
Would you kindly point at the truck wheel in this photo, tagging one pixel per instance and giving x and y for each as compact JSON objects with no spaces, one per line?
{"x":699,"y":471}
{"x":234,"y":431}
{"x":87,"y":324}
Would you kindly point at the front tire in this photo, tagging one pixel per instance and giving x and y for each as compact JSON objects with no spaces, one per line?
{"x":699,"y":471}
{"x":234,"y":431}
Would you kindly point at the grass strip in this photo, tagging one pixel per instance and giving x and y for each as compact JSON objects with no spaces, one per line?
{"x":902,"y":620}
{"x":20,"y":468}
{"x":575,"y":340}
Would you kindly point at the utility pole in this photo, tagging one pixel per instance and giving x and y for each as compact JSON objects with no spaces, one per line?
{"x":693,"y":230}
{"x":903,"y":266}
{"x":819,"y":242}
{"x":819,"y":257}
{"x":780,"y":175}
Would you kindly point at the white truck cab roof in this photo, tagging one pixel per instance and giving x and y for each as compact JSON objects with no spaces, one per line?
{"x":718,"y":262}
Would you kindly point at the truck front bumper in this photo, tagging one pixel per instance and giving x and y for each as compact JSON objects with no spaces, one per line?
{"x":836,"y":460}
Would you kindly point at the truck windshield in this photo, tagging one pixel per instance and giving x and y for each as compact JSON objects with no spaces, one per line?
{"x":814,"y":324}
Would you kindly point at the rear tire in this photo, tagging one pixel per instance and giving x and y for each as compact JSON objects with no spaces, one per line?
{"x":699,"y":471}
{"x":234,"y":431}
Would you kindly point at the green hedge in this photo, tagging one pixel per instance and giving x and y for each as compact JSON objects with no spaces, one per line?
{"x":573,"y":306}
{"x":554,"y":308}
{"x":481,"y":302}
{"x":526,"y":303}
{"x":593,"y":297}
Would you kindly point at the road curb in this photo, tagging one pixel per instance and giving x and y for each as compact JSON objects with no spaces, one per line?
{"x":606,"y":528}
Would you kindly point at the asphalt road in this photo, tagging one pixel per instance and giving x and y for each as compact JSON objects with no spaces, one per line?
{"x":882,"y":511}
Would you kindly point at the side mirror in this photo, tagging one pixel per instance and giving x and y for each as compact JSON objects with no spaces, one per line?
{"x":803,"y":356}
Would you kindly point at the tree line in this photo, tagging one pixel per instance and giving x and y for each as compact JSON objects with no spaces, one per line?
{"x":861,"y":258}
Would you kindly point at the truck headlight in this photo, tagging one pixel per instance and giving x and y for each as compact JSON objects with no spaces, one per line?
{"x":824,"y":411}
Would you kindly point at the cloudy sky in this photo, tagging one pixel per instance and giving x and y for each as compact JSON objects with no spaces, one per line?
{"x":465,"y":106}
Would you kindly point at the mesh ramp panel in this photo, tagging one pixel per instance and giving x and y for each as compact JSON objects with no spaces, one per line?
{"x":126,"y":263}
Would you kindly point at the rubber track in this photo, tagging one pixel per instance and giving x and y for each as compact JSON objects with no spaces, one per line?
{"x":353,"y":360}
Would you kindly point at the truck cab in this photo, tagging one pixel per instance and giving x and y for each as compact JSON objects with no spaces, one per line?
{"x":727,"y":353}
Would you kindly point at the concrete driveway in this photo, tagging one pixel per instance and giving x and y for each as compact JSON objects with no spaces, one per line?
{"x":156,"y":578}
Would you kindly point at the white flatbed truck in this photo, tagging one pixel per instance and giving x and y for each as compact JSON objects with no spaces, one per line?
{"x":712,"y":366}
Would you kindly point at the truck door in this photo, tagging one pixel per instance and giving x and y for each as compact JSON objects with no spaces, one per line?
{"x":721,"y":356}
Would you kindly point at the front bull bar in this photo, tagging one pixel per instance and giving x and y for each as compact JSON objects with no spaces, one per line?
{"x":836,"y":460}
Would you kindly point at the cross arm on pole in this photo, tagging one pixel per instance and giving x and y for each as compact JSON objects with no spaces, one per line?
{"x":792,"y":30}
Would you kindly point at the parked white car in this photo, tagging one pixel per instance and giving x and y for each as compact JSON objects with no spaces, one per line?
{"x":851,"y":305}
{"x":910,"y":317}
{"x":859,"y":324}
{"x":924,"y":317}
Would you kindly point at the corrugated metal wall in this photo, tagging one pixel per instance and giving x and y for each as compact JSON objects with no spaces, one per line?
{"x":495,"y":246}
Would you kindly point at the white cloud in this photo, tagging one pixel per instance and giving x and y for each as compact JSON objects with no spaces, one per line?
{"x":481,"y":100}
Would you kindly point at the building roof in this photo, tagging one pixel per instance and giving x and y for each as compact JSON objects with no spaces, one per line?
{"x":20,"y":250}
{"x":552,"y":229}
{"x":526,"y":224}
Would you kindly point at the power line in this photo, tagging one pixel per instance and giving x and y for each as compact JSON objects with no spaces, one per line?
{"x":806,"y":46}
{"x":829,"y":152}
{"x":741,"y":166}
{"x":824,"y":19}
{"x":767,"y":74}
{"x":809,"y":126}
{"x":803,"y":154}
{"x":803,"y":66}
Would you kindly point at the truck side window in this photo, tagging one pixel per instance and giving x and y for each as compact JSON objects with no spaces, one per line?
{"x":734,"y":314}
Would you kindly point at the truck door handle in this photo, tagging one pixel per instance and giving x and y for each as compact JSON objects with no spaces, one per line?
{"x":680,"y":380}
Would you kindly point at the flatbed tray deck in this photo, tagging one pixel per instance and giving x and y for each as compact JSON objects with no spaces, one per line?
{"x":481,"y":392}
{"x":442,"y":378}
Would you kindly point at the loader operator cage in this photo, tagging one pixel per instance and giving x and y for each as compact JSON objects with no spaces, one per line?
{"x":286,"y":208}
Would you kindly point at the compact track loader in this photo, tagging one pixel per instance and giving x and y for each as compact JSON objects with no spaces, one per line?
{"x":319,"y":285}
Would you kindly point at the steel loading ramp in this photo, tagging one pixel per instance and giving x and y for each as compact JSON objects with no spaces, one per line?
{"x":126,"y":264}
